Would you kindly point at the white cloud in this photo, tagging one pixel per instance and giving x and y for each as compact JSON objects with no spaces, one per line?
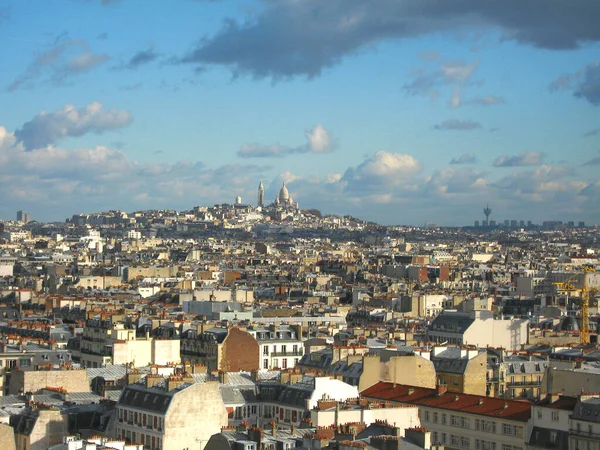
{"x":68,"y":121}
{"x":524,"y":159}
{"x":319,"y":140}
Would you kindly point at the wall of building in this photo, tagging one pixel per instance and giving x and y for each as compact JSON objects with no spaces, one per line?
{"x":334,"y":389}
{"x":412,"y":370}
{"x":475,"y":375}
{"x":166,"y":351}
{"x":7,"y":437}
{"x":137,"y":351}
{"x":403,"y":417}
{"x":240,"y":351}
{"x":204,"y":404}
{"x":509,"y":334}
{"x":33,"y":381}
{"x":569,"y":382}
{"x":49,"y":429}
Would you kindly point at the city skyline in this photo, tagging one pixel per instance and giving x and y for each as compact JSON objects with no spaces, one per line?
{"x":400,"y":114}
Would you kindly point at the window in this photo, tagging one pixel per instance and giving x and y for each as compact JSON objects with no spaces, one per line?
{"x":266,"y":364}
{"x":275,"y":362}
{"x":443,"y":419}
{"x":266,"y":350}
{"x":426,"y":416}
{"x":284,"y":363}
{"x":435,"y":417}
{"x":539,"y":413}
{"x":553,"y":437}
{"x":555,"y":416}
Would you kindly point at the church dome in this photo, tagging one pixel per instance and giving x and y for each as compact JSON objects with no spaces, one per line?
{"x":569,"y":323}
{"x":284,"y":195}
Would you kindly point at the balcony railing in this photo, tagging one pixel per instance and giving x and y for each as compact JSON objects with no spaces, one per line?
{"x":291,"y":353}
{"x":532,"y":383}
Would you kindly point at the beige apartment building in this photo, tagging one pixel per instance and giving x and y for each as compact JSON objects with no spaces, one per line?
{"x":171,"y":413}
{"x":461,"y":421}
{"x":104,"y":342}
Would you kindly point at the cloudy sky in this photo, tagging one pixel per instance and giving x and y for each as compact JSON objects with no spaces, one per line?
{"x":396,"y":111}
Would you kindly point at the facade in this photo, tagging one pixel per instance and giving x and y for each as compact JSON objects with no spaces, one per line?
{"x":280,"y":346}
{"x":225,"y":349}
{"x":478,"y":328}
{"x":461,"y":370}
{"x":104,"y":343}
{"x":550,"y":418}
{"x":24,"y":381}
{"x":170,"y":414}
{"x":584,"y":426}
{"x":515,"y":376}
{"x":39,"y":429}
{"x":461,"y":421}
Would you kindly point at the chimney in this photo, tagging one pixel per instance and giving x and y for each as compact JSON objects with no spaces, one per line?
{"x":441,"y":389}
{"x":173,"y":382}
{"x":151,"y":380}
{"x":223,"y":378}
{"x":419,"y":436}
{"x":254,"y":375}
{"x":273,"y":428}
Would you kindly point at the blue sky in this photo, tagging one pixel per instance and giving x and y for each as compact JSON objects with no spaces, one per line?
{"x":396,"y":111}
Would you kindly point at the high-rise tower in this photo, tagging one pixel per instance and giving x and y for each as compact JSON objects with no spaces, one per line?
{"x":261,"y":194}
{"x":487,"y":211}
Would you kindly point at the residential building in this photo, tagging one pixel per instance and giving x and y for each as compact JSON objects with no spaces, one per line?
{"x":550,"y":419}
{"x":104,"y":342}
{"x":219,"y":348}
{"x":171,"y":413}
{"x":478,"y":328}
{"x":461,"y":421}
{"x":584,"y":427}
{"x":280,"y":346}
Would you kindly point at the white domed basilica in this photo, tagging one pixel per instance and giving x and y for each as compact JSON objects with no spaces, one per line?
{"x":283,"y":201}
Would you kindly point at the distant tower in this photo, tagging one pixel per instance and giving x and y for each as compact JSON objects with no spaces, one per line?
{"x":261,"y":194}
{"x":23,"y":217}
{"x":487,"y":211}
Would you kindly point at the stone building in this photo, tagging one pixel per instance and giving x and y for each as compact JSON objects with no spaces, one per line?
{"x":39,"y":429}
{"x":23,"y":381}
{"x":584,"y":426}
{"x":171,"y":413}
{"x":461,"y":370}
{"x":461,"y":420}
{"x":225,"y":349}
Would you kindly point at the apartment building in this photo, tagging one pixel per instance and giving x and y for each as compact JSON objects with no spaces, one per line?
{"x":462,"y":370}
{"x":227,"y":349}
{"x":549,"y":425}
{"x":478,"y":328}
{"x":584,"y":426}
{"x":170,"y":413}
{"x":280,"y":346}
{"x":461,"y":421}
{"x":104,"y":342}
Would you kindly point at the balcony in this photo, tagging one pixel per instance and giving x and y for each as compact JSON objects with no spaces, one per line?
{"x":291,"y":353}
{"x":530,"y":383}
{"x":584,"y":433}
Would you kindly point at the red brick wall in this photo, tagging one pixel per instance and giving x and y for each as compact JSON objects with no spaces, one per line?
{"x":240,"y":352}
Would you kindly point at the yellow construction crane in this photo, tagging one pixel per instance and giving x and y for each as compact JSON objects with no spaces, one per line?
{"x":569,"y":286}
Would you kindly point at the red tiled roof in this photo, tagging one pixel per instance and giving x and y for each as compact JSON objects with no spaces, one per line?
{"x":466,"y":403}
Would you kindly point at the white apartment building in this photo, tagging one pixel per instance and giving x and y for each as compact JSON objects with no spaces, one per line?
{"x":280,"y":346}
